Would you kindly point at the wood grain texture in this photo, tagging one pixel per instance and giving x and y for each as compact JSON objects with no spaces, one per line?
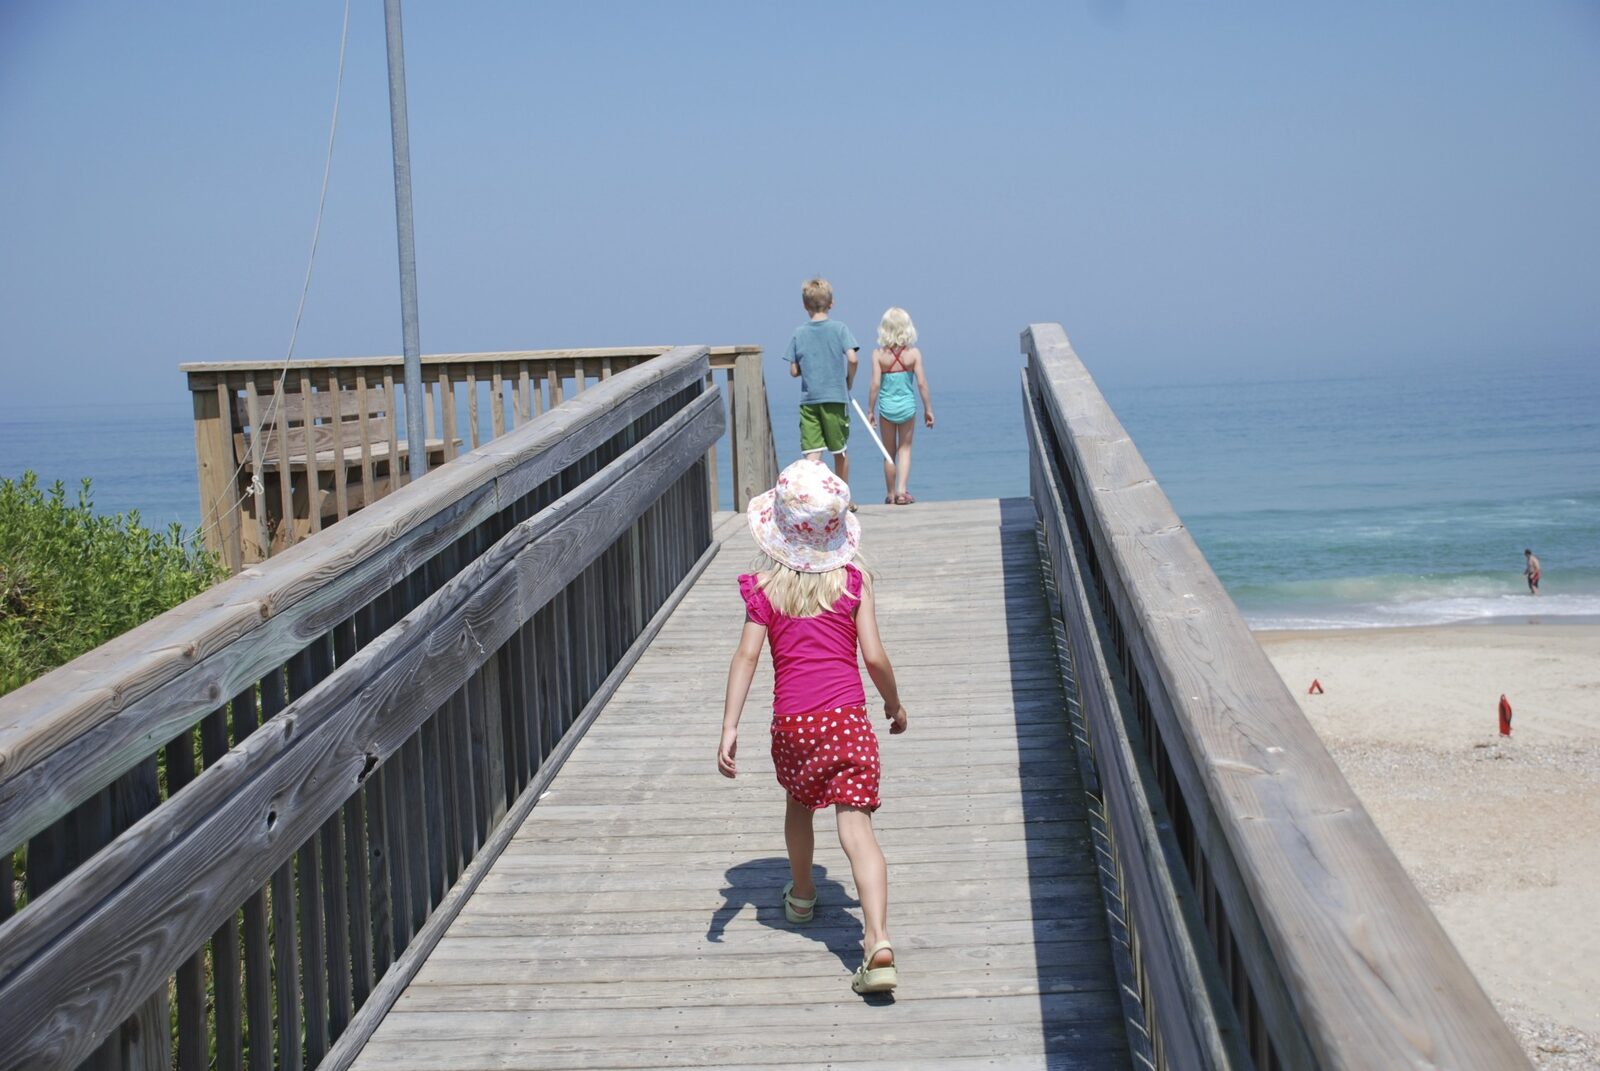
{"x":396,"y":982}
{"x":1190,"y":1020}
{"x":203,"y":373}
{"x":219,"y":489}
{"x":247,"y":814}
{"x":339,"y":443}
{"x":633,"y":919}
{"x":1347,"y":950}
{"x":72,"y":731}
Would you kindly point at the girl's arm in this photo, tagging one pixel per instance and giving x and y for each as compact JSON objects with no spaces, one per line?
{"x":877,"y":659}
{"x":740,"y":672}
{"x":922,"y":387}
{"x":872,"y":394}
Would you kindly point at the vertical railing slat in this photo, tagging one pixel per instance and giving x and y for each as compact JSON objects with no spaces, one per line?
{"x":313,"y":481}
{"x":257,"y":950}
{"x":193,"y":1040}
{"x":433,"y":799}
{"x":399,"y":474}
{"x":358,"y":894}
{"x":285,"y":948}
{"x":225,"y":983}
{"x":416,"y":845}
{"x":341,"y":496}
{"x":378,"y":842}
{"x":369,"y":493}
{"x":447,"y":410}
{"x":278,"y":413}
{"x":336,"y":916}
{"x":497,"y":401}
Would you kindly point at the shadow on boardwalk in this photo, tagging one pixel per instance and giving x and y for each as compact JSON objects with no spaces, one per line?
{"x":1050,"y":789}
{"x":759,"y":884}
{"x":623,"y":928}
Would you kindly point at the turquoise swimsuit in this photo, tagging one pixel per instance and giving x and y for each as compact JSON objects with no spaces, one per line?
{"x":897,"y":396}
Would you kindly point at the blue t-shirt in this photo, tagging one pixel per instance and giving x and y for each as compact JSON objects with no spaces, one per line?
{"x":820,"y":347}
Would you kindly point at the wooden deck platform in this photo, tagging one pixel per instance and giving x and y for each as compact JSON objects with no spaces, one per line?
{"x":634,"y":921}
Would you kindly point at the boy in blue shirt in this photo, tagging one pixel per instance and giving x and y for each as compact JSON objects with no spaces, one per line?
{"x":822,"y":352}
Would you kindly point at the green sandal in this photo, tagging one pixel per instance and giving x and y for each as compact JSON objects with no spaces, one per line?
{"x":795,"y":909}
{"x":869,"y":979}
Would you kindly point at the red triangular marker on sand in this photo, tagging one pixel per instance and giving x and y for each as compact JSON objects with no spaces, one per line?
{"x":1505,"y":716}
{"x":1316,"y":687}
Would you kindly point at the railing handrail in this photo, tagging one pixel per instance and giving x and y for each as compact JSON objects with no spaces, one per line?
{"x":86,"y":722}
{"x":394,"y":715}
{"x":1350,"y":967}
{"x":1187,"y":1019}
{"x":721,"y":356}
{"x":264,"y":489}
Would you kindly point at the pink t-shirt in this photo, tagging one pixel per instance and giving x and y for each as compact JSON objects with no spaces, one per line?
{"x":813,"y":658}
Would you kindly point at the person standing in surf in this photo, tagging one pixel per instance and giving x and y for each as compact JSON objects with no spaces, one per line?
{"x":1531,"y":571}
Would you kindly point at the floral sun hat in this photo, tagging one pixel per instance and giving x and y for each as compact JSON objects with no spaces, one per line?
{"x":805,"y":522}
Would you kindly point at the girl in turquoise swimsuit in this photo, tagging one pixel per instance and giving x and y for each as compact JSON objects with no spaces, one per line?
{"x":892,"y":405}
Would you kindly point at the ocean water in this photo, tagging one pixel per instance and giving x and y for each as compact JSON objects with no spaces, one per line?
{"x":1394,"y":500}
{"x":139,"y":456}
{"x":1399,"y":499}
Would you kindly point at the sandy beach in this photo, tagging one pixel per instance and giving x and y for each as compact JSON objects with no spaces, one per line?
{"x":1501,"y":835}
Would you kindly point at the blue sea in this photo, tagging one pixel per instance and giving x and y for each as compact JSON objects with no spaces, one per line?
{"x":1397,"y":499}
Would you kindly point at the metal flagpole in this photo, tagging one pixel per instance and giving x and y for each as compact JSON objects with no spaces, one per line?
{"x":418,"y":447}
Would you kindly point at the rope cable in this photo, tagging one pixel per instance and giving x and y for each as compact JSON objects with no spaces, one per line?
{"x":305,"y":290}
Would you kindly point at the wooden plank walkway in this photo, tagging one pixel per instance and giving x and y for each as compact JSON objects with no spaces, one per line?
{"x":634,"y":919}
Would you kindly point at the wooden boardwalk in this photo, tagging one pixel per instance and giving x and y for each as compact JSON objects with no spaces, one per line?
{"x":633,"y":921}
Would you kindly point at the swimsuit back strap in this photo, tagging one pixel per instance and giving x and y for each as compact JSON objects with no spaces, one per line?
{"x":899,"y":359}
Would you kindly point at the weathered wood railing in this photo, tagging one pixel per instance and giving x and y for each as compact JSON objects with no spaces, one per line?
{"x":1272,"y":924}
{"x":337,"y":428}
{"x":247,"y":821}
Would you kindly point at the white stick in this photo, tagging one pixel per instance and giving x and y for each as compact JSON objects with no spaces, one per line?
{"x":872,"y":432}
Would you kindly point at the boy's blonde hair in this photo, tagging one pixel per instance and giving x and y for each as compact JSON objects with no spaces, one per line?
{"x":817,"y":295}
{"x":896,"y":331}
{"x":796,"y":594}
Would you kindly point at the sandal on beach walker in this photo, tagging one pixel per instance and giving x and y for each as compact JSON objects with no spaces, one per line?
{"x":795,"y":909}
{"x":904,"y":500}
{"x":870,"y":979}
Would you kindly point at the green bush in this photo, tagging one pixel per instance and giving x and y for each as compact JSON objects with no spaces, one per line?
{"x":71,"y":579}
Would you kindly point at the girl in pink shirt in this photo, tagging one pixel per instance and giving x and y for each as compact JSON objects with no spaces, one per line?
{"x":814,"y":607}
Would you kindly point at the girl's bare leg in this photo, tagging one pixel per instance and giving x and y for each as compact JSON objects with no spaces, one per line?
{"x":887,"y":432}
{"x":871,"y":875}
{"x":902,"y":455}
{"x":802,"y":843}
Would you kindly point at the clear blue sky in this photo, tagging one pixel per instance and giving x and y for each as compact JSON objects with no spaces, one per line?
{"x":1195,"y":191}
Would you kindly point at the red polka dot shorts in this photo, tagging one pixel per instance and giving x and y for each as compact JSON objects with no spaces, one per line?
{"x":827,"y":757}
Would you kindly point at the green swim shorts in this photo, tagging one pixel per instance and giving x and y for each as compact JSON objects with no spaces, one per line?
{"x":824,"y":425}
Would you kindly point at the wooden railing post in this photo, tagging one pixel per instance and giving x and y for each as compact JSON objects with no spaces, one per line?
{"x":755,"y":457}
{"x":213,"y":450}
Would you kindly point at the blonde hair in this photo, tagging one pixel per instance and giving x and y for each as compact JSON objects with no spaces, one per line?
{"x":817,"y":295}
{"x":896,"y":331}
{"x":796,"y":594}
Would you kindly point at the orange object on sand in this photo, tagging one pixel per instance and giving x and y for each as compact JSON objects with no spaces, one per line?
{"x":1505,"y":716}
{"x":1316,"y":687}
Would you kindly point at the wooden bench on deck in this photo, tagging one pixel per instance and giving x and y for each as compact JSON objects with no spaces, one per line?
{"x":349,"y":446}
